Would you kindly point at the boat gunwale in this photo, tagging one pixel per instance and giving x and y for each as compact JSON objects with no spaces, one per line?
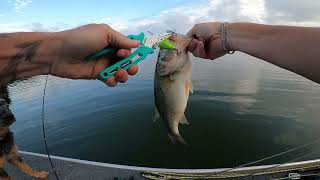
{"x":169,"y":170}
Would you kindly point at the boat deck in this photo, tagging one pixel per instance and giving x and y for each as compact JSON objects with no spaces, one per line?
{"x":72,"y":169}
{"x":75,"y":169}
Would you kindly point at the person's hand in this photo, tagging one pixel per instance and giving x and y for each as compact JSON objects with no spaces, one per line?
{"x":206,"y":41}
{"x":76,"y":44}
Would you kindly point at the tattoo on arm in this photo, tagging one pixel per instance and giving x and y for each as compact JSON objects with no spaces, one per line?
{"x":25,"y":53}
{"x":27,"y":50}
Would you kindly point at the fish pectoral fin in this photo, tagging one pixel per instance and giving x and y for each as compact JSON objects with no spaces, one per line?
{"x":190,"y":85}
{"x":156,"y":114}
{"x":184,"y":120}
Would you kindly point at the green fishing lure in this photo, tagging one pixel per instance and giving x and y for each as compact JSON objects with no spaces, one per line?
{"x":166,"y":44}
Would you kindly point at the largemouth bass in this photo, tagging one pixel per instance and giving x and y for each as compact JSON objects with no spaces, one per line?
{"x":172,"y":84}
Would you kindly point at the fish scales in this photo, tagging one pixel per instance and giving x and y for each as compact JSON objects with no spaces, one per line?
{"x":172,"y":85}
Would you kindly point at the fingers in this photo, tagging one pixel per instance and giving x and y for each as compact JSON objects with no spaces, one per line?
{"x":193,"y":45}
{"x":204,"y":30}
{"x":111,"y":81}
{"x":133,"y":70}
{"x":118,"y":40}
{"x":196,"y":47}
{"x":199,"y":51}
{"x":124,"y":44}
{"x":121,"y":76}
{"x":123,"y":53}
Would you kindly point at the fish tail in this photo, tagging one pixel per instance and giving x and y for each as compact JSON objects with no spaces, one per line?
{"x":177,"y":139}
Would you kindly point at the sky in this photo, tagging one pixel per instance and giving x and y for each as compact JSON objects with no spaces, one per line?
{"x":156,"y":16}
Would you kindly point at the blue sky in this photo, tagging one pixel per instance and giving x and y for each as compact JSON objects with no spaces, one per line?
{"x":77,"y":11}
{"x":142,"y":15}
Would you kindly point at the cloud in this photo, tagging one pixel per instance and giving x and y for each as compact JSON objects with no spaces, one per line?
{"x":293,"y":11}
{"x":12,"y":27}
{"x":254,"y":9}
{"x":20,"y":4}
{"x":44,"y":28}
{"x":31,"y":27}
{"x":1,"y":15}
{"x":182,"y":18}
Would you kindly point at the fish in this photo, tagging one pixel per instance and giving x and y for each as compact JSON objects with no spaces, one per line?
{"x":172,"y":85}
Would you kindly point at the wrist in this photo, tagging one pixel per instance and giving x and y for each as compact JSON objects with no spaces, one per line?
{"x":244,"y":36}
{"x":224,"y":39}
{"x":50,"y":48}
{"x":232,"y":36}
{"x":48,"y":52}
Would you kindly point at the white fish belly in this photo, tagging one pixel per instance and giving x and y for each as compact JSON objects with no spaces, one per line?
{"x":173,"y":94}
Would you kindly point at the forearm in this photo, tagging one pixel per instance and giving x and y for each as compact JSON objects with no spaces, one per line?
{"x":25,"y":54}
{"x":293,"y":48}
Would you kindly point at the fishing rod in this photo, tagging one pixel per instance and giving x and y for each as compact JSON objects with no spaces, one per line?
{"x":238,"y":176}
{"x":278,"y":165}
{"x":269,"y":157}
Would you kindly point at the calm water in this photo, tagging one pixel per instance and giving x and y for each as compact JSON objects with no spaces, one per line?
{"x":242,"y":109}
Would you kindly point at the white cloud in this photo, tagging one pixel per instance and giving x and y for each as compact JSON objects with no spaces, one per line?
{"x":254,"y":9}
{"x":33,"y":27}
{"x":20,"y":4}
{"x":182,"y":18}
{"x":12,"y":27}
{"x":293,"y":12}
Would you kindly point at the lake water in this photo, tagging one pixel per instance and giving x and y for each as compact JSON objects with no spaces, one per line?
{"x":242,"y":109}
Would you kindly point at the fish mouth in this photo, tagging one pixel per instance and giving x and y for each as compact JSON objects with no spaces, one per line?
{"x":173,"y":37}
{"x":180,"y":41}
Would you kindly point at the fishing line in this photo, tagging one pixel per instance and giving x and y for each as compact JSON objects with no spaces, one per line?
{"x":224,"y":171}
{"x":43,"y":129}
{"x":157,"y":175}
{"x":277,"y":165}
{"x":269,"y":157}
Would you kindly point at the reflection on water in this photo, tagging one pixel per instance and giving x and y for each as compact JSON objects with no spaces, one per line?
{"x":242,"y":109}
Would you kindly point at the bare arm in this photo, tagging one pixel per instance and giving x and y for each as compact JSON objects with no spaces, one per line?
{"x":24,"y":55}
{"x":296,"y":49}
{"x":63,"y":53}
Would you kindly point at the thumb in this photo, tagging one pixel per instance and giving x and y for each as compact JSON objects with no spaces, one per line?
{"x":120,"y":41}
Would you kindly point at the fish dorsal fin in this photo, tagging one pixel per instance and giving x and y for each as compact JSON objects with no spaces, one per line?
{"x":156,"y":114}
{"x":190,"y":86}
{"x":184,"y":120}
